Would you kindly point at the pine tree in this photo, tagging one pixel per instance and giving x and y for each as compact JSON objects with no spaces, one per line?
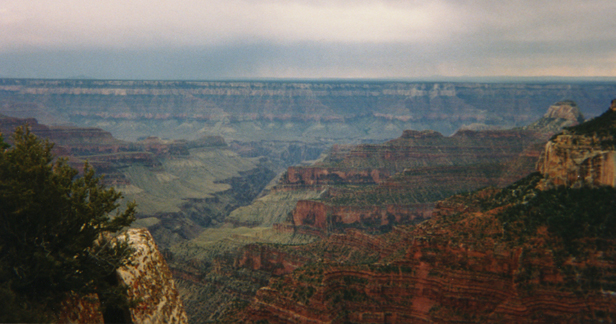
{"x":55,"y":226}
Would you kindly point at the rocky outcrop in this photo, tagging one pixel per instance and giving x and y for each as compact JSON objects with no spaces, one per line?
{"x":265,"y":258}
{"x":575,"y":160}
{"x":567,"y":109}
{"x":583,"y":155}
{"x":148,"y":279}
{"x":303,"y":177}
{"x":561,"y":114}
{"x":169,"y":147}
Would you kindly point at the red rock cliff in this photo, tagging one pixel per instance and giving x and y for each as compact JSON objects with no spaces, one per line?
{"x":452,"y":268}
{"x":318,"y":215}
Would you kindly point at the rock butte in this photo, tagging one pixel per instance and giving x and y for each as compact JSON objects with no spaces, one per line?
{"x":405,"y":176}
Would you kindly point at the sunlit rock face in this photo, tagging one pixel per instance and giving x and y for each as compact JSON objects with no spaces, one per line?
{"x":566,"y":109}
{"x":148,"y":278}
{"x":573,"y":160}
{"x":583,"y":155}
{"x":561,"y":114}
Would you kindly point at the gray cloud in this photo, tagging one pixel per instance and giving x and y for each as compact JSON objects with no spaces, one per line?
{"x":306,"y":39}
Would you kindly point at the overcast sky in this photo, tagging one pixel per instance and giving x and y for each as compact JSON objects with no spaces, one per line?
{"x":239,"y":39}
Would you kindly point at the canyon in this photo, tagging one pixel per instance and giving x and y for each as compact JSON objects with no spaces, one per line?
{"x":339,"y":204}
{"x":540,"y":250}
{"x":375,"y":186}
{"x":248,"y":186}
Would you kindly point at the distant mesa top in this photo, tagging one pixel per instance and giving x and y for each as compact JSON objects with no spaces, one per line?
{"x":421,"y":134}
{"x":566,"y":109}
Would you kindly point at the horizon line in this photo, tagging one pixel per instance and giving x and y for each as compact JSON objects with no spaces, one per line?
{"x":437,"y":79}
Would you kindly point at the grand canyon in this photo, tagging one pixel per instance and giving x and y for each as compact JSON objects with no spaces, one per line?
{"x":351,"y":202}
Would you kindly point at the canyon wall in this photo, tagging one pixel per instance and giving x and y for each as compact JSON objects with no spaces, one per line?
{"x":567,"y":164}
{"x":454,"y":267}
{"x":375,"y":186}
{"x":327,"y":218}
{"x":375,"y":163}
{"x":530,"y":252}
{"x":305,"y":111}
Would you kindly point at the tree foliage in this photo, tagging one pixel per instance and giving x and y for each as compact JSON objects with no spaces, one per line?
{"x":55,"y":225}
{"x":572,"y":214}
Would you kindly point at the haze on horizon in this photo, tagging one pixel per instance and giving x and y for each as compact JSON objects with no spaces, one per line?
{"x":243,"y":39}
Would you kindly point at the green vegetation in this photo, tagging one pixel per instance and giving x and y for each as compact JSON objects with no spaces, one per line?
{"x":519,"y":192}
{"x":570,"y":214}
{"x":348,"y":295}
{"x":54,"y":234}
{"x":604,"y":125}
{"x":303,"y":293}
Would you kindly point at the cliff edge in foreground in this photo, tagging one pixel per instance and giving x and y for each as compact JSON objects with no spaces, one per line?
{"x":148,"y":280}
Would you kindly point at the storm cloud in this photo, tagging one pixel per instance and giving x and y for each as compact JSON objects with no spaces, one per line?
{"x":238,"y":39}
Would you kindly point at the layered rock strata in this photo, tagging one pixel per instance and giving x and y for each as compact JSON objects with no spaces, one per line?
{"x":326,"y":218}
{"x":491,"y":256}
{"x":454,"y":267}
{"x":573,"y":160}
{"x":372,"y":164}
{"x":377,"y":185}
{"x":308,"y":111}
